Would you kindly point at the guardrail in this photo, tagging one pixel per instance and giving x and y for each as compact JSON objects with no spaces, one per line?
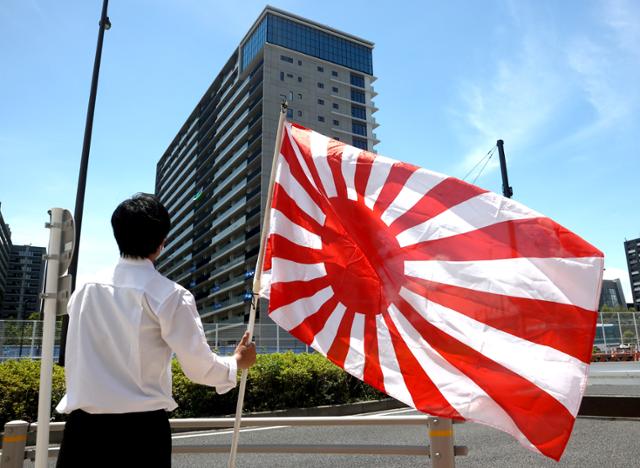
{"x":441,"y":449}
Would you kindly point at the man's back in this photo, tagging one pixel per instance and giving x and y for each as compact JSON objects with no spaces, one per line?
{"x":122,"y":329}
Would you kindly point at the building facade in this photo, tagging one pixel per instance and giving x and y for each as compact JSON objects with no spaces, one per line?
{"x":214,"y":175}
{"x":632,"y":251}
{"x":5,"y":252}
{"x":24,"y":282}
{"x":612,"y":295}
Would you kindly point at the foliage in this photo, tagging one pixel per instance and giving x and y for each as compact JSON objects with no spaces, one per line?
{"x":277,"y":381}
{"x":19,"y":388}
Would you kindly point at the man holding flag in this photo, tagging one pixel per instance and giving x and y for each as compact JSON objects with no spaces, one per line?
{"x":123,"y":329}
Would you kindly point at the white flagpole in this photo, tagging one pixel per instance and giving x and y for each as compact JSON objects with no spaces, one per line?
{"x":257,"y":284}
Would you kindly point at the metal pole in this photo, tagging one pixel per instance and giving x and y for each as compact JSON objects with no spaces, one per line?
{"x":256,"y":284}
{"x":48,"y":337}
{"x":635,"y":326}
{"x":604,"y":335}
{"x":13,"y":443}
{"x":82,"y":177}
{"x":507,"y":191}
{"x":619,"y":327}
{"x":441,"y":449}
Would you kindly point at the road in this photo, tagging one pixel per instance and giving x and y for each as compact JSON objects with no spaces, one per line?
{"x":594,"y":443}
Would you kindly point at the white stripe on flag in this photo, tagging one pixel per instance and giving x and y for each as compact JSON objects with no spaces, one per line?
{"x":301,"y":159}
{"x":460,"y":391}
{"x":354,"y":362}
{"x":283,"y":226}
{"x":284,"y":270}
{"x":553,"y":371}
{"x":380,"y":169}
{"x":416,"y":187}
{"x":291,"y":315}
{"x":296,"y":192}
{"x":475,"y":213}
{"x":324,"y":339}
{"x":319,"y":145}
{"x":394,"y":383}
{"x":563,"y":280}
{"x":349,"y":163}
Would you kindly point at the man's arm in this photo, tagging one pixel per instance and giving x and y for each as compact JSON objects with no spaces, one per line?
{"x":182,"y":330}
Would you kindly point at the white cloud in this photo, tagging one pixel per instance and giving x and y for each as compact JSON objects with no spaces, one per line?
{"x":550,"y":74}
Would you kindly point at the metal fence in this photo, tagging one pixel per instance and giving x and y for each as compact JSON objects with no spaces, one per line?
{"x":22,"y":338}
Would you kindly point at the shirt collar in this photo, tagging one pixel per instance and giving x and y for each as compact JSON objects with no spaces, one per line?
{"x":142,"y":262}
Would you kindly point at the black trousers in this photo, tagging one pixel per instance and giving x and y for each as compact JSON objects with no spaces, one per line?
{"x":116,"y":440}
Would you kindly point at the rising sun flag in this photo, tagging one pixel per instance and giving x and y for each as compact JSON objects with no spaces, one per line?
{"x":454,"y":300}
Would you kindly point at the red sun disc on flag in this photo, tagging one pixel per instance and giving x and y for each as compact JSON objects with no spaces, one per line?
{"x":452,"y":299}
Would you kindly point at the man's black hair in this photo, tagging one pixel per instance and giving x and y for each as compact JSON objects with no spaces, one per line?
{"x":140,"y":224}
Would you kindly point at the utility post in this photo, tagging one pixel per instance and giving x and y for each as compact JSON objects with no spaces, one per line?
{"x":507,"y":190}
{"x":105,"y":24}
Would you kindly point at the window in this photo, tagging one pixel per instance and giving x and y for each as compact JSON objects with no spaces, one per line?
{"x":320,"y":118}
{"x":359,"y":128}
{"x":283,"y":97}
{"x":320,"y":85}
{"x":335,"y":105}
{"x":299,"y":96}
{"x":357,"y":95}
{"x":299,"y":79}
{"x":286,"y":58}
{"x":358,"y":112}
{"x":334,"y":89}
{"x":289,"y":113}
{"x":299,"y":113}
{"x":281,"y":76}
{"x":336,"y":123}
{"x":360,"y":143}
{"x":334,"y":73}
{"x":321,"y":102}
{"x":289,"y":75}
{"x":320,"y":69}
{"x":299,"y":62}
{"x":357,"y":80}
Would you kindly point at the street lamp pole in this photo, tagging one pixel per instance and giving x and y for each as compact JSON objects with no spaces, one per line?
{"x":84,"y":162}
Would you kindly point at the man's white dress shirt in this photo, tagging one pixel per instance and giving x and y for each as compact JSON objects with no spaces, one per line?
{"x":123,"y":329}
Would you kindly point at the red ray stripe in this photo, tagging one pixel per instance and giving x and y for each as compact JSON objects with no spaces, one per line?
{"x":540,"y":417}
{"x":312,"y":325}
{"x":285,"y":293}
{"x":443,"y":196}
{"x":296,"y":170}
{"x":334,"y":158}
{"x":396,"y":179}
{"x":425,"y":394}
{"x":363,"y":170}
{"x":340,"y":347}
{"x":302,"y":137}
{"x":287,"y":205}
{"x":282,"y":247}
{"x":372,"y":372}
{"x":533,"y":238}
{"x":564,"y":327}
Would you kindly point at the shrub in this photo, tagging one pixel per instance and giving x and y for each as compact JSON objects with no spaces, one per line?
{"x":277,"y":381}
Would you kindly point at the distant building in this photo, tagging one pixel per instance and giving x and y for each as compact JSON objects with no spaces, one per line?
{"x":5,"y":252}
{"x":24,"y":282}
{"x":612,"y":295}
{"x":214,"y":175}
{"x":632,"y":251}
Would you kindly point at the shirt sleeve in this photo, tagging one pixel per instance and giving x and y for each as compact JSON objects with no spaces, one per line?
{"x":182,"y":330}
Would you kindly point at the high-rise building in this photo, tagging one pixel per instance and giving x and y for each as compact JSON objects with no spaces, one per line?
{"x":632,"y":250}
{"x":612,"y":295}
{"x":214,"y":175}
{"x":24,"y":282}
{"x":5,"y":252}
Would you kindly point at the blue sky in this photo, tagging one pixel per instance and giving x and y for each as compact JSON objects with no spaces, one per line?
{"x":557,"y":81}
